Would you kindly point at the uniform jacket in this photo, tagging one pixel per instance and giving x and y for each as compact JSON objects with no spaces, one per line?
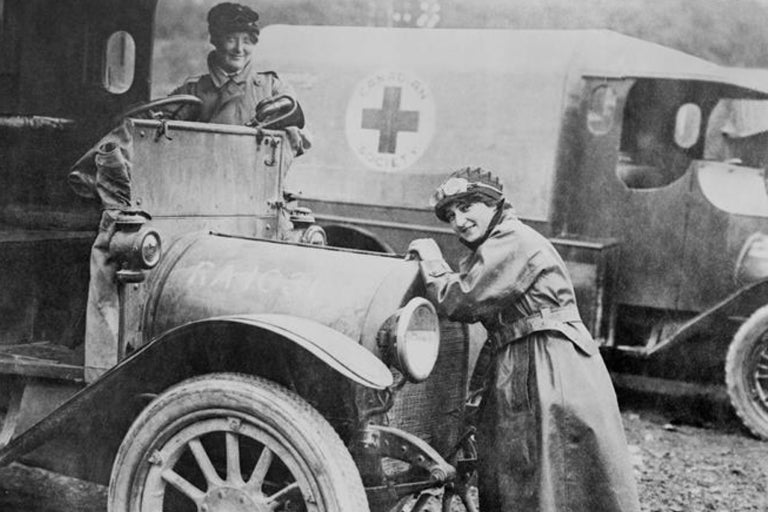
{"x":232,"y":99}
{"x":550,"y":436}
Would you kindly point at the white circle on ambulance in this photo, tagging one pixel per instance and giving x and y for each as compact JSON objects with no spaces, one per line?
{"x":390,"y":120}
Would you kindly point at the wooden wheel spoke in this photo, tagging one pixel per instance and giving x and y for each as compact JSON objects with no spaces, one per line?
{"x":233,"y":442}
{"x":233,"y":458}
{"x":758,"y":393}
{"x":260,"y":471}
{"x":755,"y":392}
{"x":204,"y":462}
{"x":283,"y":494}
{"x":183,"y":486}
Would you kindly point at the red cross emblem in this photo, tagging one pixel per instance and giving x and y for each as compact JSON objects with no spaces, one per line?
{"x":389,"y":120}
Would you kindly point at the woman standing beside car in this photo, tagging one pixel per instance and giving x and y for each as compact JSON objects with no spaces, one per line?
{"x":550,"y":436}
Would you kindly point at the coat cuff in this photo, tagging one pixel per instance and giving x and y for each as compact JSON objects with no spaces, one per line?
{"x":434,"y":268}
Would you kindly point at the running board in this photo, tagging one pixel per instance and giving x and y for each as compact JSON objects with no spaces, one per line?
{"x":41,"y":360}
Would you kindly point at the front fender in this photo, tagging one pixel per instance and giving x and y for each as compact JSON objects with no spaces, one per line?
{"x":103,"y":411}
{"x":335,"y":349}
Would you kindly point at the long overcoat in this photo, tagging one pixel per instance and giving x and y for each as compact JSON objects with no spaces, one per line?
{"x":550,"y":436}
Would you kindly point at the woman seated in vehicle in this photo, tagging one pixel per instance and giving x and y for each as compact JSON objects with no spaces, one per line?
{"x":233,"y":89}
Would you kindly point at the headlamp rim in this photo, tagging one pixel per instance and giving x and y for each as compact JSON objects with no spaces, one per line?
{"x":403,"y":322}
{"x":149,"y":233}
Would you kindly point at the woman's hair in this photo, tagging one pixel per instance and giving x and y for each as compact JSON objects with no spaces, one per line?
{"x":478,"y":198}
{"x":482,"y":198}
{"x":468,"y":200}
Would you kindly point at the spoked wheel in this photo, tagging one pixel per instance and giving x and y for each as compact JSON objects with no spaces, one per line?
{"x":746,"y":373}
{"x":226,"y":442}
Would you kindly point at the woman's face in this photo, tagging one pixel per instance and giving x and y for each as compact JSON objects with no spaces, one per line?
{"x":470,"y":221}
{"x":233,"y":50}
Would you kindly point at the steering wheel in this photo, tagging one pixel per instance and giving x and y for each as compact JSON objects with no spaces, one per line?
{"x":178,"y":107}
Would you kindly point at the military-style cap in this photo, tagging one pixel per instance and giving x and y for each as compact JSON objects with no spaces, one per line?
{"x":230,"y":17}
{"x":463,"y":183}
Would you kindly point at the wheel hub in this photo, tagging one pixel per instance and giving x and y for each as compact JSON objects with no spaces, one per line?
{"x":230,"y":499}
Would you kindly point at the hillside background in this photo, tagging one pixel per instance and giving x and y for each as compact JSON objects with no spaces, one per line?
{"x":728,"y":32}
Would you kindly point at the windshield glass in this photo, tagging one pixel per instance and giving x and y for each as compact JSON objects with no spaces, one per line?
{"x":181,"y":43}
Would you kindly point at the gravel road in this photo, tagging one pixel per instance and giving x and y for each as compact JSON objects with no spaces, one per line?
{"x":690,"y":457}
{"x":684,"y":463}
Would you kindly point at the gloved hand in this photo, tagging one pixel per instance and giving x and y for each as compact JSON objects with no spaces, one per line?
{"x":298,"y":139}
{"x":426,"y":249}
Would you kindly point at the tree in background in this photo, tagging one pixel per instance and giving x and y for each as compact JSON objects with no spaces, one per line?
{"x":728,"y":32}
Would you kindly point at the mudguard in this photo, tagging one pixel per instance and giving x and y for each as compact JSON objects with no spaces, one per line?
{"x":337,"y":350}
{"x":156,"y":366}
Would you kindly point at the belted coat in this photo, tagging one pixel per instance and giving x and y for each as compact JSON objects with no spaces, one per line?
{"x":550,"y":436}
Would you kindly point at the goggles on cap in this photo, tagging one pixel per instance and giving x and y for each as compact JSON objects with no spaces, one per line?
{"x":460,"y":187}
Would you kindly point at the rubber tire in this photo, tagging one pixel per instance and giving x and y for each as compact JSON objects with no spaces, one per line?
{"x":752,"y":414}
{"x":338,"y":484}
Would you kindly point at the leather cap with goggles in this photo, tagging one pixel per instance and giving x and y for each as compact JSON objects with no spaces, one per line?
{"x":462,"y":184}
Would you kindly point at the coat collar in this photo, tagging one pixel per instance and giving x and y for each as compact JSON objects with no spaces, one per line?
{"x":220,"y":78}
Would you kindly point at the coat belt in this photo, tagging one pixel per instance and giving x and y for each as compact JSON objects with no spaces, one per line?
{"x":546,"y":319}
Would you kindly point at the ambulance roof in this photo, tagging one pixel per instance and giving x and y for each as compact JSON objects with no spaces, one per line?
{"x":393,"y":110}
{"x":595,"y":52}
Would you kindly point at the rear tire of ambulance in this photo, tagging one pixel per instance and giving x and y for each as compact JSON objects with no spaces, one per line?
{"x":746,"y":373}
{"x":233,"y":442}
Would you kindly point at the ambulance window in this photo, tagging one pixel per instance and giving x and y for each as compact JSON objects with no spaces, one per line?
{"x":660,"y":132}
{"x":687,"y":125}
{"x":119,"y":62}
{"x":602,"y":108}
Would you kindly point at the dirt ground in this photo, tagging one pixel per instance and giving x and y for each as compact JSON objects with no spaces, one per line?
{"x":684,"y":461}
{"x":682,"y":466}
{"x":689,"y":457}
